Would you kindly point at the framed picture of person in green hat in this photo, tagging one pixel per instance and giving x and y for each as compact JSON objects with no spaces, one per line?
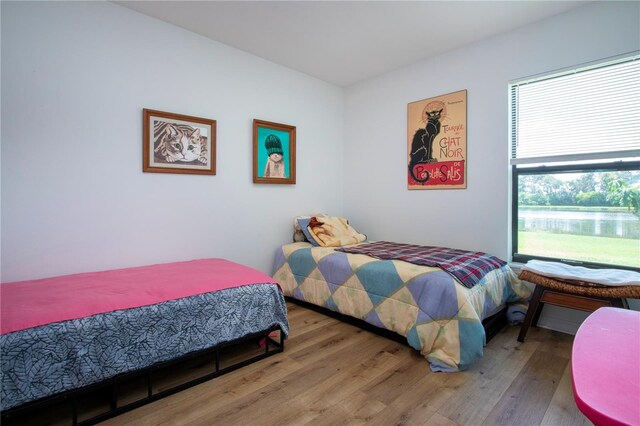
{"x":274,"y":153}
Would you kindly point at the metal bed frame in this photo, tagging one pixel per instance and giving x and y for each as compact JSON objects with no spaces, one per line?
{"x":492,"y":325}
{"x":272,"y":347}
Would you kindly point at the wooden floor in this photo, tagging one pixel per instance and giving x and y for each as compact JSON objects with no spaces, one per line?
{"x":334,"y":373}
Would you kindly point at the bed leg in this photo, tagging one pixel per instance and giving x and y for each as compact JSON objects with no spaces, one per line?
{"x":114,"y":395}
{"x":74,"y":411}
{"x":149,"y":383}
{"x":217,"y":361}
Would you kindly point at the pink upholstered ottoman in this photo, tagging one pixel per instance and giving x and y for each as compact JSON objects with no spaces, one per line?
{"x":606,"y":367}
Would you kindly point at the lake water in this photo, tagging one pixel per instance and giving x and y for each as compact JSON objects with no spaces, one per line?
{"x":604,"y":224}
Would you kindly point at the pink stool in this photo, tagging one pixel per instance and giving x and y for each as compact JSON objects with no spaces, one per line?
{"x":605,"y":363}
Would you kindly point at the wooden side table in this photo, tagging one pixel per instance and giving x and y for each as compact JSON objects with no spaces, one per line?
{"x":570,"y":295}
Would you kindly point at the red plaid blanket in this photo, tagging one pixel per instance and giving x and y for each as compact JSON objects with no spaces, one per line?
{"x":469,"y":267}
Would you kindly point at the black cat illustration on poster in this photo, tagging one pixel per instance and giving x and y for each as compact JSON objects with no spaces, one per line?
{"x":437,"y":142}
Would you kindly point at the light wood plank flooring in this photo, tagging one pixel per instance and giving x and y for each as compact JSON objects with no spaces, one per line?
{"x":333,"y":373}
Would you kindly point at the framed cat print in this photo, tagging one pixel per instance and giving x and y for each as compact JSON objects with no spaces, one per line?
{"x":437,"y":142}
{"x":175,"y":143}
{"x":274,"y":153}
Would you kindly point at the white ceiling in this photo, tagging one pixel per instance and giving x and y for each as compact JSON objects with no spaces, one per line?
{"x":343,"y":42}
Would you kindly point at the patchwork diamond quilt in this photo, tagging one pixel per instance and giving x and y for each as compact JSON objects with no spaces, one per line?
{"x":439,"y":316}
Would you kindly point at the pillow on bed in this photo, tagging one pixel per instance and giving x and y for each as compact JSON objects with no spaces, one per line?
{"x":300,"y":233}
{"x":331,"y":231}
{"x":298,"y":236}
{"x":303,"y":222}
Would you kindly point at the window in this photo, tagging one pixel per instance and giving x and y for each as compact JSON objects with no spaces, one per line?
{"x":575,"y":151}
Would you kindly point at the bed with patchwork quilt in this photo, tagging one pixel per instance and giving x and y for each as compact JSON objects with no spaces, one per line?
{"x":439,"y":308}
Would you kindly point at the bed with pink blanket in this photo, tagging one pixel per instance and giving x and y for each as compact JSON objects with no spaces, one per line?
{"x":69,"y":332}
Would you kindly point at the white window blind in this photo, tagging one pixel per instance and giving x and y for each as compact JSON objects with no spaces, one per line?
{"x":583,"y":114}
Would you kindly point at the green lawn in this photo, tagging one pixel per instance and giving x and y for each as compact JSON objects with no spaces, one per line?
{"x":616,"y":251}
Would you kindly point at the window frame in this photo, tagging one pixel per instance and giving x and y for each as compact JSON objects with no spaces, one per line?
{"x":518,"y":170}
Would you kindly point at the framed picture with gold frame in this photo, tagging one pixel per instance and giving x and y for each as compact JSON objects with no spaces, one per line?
{"x":176,"y":143}
{"x":274,"y":153}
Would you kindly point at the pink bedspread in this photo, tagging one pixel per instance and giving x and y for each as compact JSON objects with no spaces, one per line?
{"x":27,"y":304}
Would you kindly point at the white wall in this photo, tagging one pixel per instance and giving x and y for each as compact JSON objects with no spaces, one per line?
{"x":477,"y":218}
{"x":375,"y":154}
{"x":75,"y":77}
